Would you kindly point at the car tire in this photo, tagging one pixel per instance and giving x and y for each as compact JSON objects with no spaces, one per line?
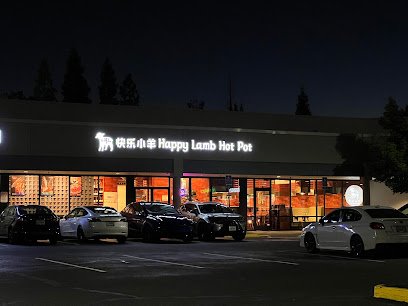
{"x":310,"y":243}
{"x":239,"y":236}
{"x":149,"y":235}
{"x":121,"y":239}
{"x":81,"y":235}
{"x":356,"y":246}
{"x":188,"y":238}
{"x":203,"y":233}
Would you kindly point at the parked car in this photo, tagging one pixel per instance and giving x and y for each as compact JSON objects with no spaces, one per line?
{"x":356,"y":230}
{"x":404,"y":209}
{"x":94,"y":222}
{"x":213,"y":219}
{"x":155,"y":220}
{"x":29,"y":222}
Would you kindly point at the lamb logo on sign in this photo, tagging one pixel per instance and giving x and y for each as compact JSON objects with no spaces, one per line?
{"x":107,"y":143}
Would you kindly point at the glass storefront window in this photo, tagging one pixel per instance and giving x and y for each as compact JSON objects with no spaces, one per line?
{"x":24,"y":189}
{"x":184,"y":189}
{"x":280,"y":205}
{"x":200,"y":189}
{"x":303,"y":200}
{"x":250,"y":204}
{"x":329,"y":198}
{"x":222,"y":195}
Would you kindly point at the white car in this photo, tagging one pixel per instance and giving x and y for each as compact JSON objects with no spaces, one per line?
{"x":95,"y":222}
{"x":356,"y":229}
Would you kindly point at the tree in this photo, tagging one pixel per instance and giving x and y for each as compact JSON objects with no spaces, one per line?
{"x":109,"y":85}
{"x":43,"y":87}
{"x":75,"y":87}
{"x":128,"y":92}
{"x":383,"y":156}
{"x":302,"y":106}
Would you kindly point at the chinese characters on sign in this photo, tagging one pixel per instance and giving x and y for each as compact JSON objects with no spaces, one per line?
{"x":110,"y":144}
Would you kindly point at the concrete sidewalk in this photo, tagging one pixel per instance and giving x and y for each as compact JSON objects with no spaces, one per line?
{"x":293,"y":234}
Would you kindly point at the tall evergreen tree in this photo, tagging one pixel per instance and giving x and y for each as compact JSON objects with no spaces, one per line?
{"x":109,"y":85}
{"x":128,"y":92}
{"x":302,"y":106}
{"x":43,"y":88}
{"x":75,"y":87}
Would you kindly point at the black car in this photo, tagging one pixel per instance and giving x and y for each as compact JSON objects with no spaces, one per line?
{"x":214,"y":219}
{"x":154,"y":220}
{"x":29,"y":222}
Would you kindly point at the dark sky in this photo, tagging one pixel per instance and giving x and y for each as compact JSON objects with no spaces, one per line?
{"x":349,"y":55}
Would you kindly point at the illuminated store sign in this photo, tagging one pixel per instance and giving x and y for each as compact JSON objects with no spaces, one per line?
{"x":354,"y":195}
{"x":0,"y":136}
{"x":107,"y":143}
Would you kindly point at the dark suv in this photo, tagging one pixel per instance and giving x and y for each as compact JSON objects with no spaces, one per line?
{"x":29,"y":222}
{"x":154,"y":220}
{"x":214,"y":219}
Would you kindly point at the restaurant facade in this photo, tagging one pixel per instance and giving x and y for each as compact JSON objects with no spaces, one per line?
{"x":276,"y":170}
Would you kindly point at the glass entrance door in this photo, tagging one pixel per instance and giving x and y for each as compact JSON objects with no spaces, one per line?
{"x":262,"y":208}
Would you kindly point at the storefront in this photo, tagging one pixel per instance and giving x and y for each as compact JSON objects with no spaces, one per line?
{"x":275,"y":170}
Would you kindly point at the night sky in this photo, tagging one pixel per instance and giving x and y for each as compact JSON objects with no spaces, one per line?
{"x":349,"y":55}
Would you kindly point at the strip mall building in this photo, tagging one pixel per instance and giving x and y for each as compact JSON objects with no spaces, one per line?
{"x":270,"y":168}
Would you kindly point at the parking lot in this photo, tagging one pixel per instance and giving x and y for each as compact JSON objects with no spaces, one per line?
{"x":260,"y":270}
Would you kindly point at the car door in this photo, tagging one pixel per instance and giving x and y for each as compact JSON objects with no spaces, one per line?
{"x":66,"y":224}
{"x":139,"y":218}
{"x":328,"y":230}
{"x":348,"y":225}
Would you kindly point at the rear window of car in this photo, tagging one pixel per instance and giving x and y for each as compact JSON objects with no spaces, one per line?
{"x":34,"y":210}
{"x":214,"y":208}
{"x":160,"y":209}
{"x":385,"y":213}
{"x":103,"y":210}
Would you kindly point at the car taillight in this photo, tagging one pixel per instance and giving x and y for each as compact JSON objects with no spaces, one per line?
{"x":377,"y":225}
{"x":94,"y":219}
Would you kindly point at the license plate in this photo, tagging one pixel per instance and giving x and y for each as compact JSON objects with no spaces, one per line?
{"x":110,"y":224}
{"x":401,"y":229}
{"x":39,"y":222}
{"x":232,"y":228}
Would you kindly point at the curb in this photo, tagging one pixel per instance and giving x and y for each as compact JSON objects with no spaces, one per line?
{"x":391,"y":293}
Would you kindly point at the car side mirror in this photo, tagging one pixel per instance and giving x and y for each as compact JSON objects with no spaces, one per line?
{"x":321,"y":221}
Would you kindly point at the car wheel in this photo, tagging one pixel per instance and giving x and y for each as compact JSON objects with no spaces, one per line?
{"x":204,"y":234}
{"x":11,"y":236}
{"x":121,"y":239}
{"x":310,"y":243}
{"x":238,"y":236}
{"x":188,"y":238}
{"x":81,"y":235}
{"x":148,"y":235}
{"x":356,"y":246}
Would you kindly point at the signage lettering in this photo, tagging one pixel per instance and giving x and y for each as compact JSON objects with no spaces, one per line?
{"x":107,"y":143}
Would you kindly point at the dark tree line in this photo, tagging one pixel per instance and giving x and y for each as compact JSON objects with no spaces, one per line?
{"x":75,"y":88}
{"x":383,"y":156}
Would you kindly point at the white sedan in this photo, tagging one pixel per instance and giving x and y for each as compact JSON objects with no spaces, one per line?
{"x":94,"y":222}
{"x":356,"y":229}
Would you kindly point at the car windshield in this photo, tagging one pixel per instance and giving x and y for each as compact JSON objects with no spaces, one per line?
{"x":385,"y":213}
{"x":34,"y":210}
{"x":103,"y":210}
{"x":160,"y":209}
{"x":214,"y":208}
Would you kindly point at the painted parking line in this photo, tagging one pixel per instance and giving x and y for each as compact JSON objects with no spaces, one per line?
{"x":334,"y":256}
{"x":165,"y":262}
{"x":391,"y":293}
{"x":70,"y":265}
{"x":255,"y":259}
